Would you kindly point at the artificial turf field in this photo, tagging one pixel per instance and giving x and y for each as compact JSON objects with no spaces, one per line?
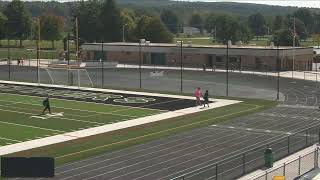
{"x":21,"y":118}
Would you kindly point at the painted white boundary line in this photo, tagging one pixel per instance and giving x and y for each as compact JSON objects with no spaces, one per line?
{"x":109,"y":127}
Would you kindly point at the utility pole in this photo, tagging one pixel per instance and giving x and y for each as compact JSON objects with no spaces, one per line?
{"x":38,"y":50}
{"x":102,"y":67}
{"x":293,"y":44}
{"x":278,"y":68}
{"x":77,"y":41}
{"x":227,"y":70}
{"x":140,"y":83}
{"x":9,"y":60}
{"x":215,"y":33}
{"x":123,"y":31}
{"x":181,"y":66}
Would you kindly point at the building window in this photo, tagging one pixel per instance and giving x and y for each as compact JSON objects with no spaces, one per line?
{"x":232,"y":59}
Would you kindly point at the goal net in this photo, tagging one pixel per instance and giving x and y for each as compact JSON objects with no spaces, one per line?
{"x":64,"y":74}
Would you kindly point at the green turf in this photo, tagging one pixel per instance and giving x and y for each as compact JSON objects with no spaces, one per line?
{"x":95,"y":145}
{"x":19,"y":124}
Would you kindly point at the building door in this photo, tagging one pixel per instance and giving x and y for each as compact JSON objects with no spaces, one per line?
{"x":210,"y":61}
{"x":145,"y":58}
{"x":258,"y":63}
{"x":158,"y":59}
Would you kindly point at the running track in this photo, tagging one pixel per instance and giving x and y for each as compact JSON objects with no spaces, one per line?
{"x":169,"y":157}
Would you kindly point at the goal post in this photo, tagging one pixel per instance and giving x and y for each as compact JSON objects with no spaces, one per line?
{"x":64,"y":74}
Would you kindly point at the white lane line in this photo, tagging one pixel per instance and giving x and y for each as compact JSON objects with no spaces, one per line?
{"x":174,"y":140}
{"x":288,"y":133}
{"x":169,"y":160}
{"x":140,"y":162}
{"x":147,"y":135}
{"x":150,"y":153}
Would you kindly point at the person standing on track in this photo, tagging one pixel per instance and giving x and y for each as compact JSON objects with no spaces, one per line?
{"x":206,"y":99}
{"x":198,"y":95}
{"x":46,"y":105}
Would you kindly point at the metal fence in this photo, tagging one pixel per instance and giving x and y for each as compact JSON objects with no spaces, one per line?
{"x":238,"y":83}
{"x":294,"y":168}
{"x":226,"y":77}
{"x":238,"y":165}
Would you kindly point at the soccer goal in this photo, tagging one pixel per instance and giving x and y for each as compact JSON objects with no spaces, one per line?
{"x":65,"y":74}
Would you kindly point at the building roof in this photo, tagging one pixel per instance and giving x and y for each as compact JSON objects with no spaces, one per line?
{"x":196,"y":45}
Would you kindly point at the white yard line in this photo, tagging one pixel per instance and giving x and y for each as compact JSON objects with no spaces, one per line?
{"x":73,"y":100}
{"x":81,"y":110}
{"x":68,"y":119}
{"x":35,"y":127}
{"x":108,"y":128}
{"x":8,"y":139}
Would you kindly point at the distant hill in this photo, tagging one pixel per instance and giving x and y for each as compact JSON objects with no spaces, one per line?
{"x":244,"y":9}
{"x":182,"y":8}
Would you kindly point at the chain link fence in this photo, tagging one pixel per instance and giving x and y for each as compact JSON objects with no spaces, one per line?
{"x":293,"y":169}
{"x":238,"y":165}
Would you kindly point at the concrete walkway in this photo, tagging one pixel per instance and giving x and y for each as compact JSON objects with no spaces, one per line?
{"x":110,"y":127}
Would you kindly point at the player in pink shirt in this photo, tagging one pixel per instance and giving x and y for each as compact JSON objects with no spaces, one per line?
{"x":198,"y":95}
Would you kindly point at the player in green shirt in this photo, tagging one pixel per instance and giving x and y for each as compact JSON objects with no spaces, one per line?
{"x":206,"y":99}
{"x":46,"y":105}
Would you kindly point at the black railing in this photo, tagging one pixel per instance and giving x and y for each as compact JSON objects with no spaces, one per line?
{"x":237,"y":165}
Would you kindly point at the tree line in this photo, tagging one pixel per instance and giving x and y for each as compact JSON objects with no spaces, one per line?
{"x":105,"y":21}
{"x":16,"y":23}
{"x":280,"y":29}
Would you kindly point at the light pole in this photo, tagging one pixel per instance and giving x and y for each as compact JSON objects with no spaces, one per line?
{"x":9,"y":60}
{"x":70,"y":73}
{"x":227,"y":70}
{"x":38,"y":51}
{"x":102,"y":67}
{"x":123,"y":31}
{"x":278,"y":68}
{"x":140,"y":59}
{"x":180,"y":43}
{"x":293,"y":44}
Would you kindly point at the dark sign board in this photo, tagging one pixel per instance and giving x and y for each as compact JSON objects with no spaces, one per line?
{"x":33,"y":167}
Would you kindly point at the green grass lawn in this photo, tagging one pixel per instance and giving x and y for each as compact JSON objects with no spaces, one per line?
{"x":21,"y":119}
{"x":28,"y":51}
{"x":91,"y":146}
